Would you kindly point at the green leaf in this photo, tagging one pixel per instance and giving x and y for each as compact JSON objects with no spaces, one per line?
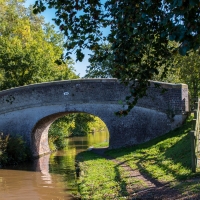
{"x":135,"y":31}
{"x":183,"y":50}
{"x":148,"y":2}
{"x":193,"y":3}
{"x":120,"y":102}
{"x":172,"y":37}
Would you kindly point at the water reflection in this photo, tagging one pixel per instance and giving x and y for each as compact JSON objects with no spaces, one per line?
{"x":42,"y":164}
{"x":49,"y":177}
{"x":25,"y":185}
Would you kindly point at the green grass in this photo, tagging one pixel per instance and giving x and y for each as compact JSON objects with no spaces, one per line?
{"x":99,"y":178}
{"x":166,"y":159}
{"x":102,"y":144}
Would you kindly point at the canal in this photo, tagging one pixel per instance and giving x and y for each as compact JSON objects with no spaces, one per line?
{"x":51,"y":177}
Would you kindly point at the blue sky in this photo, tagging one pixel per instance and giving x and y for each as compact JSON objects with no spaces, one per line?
{"x":80,"y":67}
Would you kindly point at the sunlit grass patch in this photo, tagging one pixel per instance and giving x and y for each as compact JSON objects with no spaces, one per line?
{"x":99,"y":178}
{"x":166,"y":158}
{"x":102,"y":144}
{"x":104,"y":179}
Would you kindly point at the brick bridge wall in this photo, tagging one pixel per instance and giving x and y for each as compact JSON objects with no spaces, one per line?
{"x":30,"y":110}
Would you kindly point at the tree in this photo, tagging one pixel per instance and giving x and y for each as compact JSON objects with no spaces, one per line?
{"x":82,"y":121}
{"x":30,"y":50}
{"x":140,"y":32}
{"x":185,"y":70}
{"x":100,"y":69}
{"x":59,"y":130}
{"x":189,"y":71}
{"x":73,"y":124}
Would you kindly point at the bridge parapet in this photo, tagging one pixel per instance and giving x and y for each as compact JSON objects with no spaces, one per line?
{"x":94,"y":90}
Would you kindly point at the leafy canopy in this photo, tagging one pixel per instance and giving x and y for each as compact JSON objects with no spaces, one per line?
{"x":100,"y":69}
{"x":29,"y":49}
{"x":140,"y":32}
{"x":185,"y":70}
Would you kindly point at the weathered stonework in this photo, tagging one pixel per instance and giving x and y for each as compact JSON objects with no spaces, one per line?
{"x":30,"y":110}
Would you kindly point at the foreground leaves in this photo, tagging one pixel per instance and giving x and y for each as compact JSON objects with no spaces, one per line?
{"x":139,"y":35}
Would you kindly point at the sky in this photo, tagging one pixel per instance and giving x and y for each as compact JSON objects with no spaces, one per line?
{"x":80,"y":67}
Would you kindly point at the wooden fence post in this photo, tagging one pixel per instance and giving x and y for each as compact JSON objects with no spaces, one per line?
{"x":194,"y":161}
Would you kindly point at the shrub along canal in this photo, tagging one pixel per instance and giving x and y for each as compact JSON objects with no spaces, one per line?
{"x":50,"y":177}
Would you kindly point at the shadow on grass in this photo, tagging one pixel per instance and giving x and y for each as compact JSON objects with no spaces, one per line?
{"x":175,"y":160}
{"x":170,"y":153}
{"x":123,"y":191}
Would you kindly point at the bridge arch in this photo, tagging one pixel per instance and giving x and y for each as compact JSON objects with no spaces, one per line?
{"x":39,"y":134}
{"x":29,"y":110}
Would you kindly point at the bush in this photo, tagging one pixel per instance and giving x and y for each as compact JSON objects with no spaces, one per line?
{"x":14,"y":150}
{"x":3,"y":146}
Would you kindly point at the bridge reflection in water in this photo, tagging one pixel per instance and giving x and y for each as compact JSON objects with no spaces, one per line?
{"x":49,"y":177}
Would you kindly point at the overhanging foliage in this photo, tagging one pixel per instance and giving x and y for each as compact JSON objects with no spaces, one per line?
{"x":140,"y":32}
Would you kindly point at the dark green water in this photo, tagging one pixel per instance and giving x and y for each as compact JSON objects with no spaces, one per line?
{"x":52,"y":177}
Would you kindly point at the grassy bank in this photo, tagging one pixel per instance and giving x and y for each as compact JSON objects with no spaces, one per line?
{"x":166,"y":159}
{"x":99,"y":178}
{"x":102,"y":144}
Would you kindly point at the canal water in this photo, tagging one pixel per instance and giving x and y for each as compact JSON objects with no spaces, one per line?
{"x":51,"y":177}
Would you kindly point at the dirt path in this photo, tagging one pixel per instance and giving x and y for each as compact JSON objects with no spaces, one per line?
{"x":150,"y":189}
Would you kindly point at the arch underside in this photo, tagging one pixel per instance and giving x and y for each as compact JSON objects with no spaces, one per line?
{"x":39,"y":135}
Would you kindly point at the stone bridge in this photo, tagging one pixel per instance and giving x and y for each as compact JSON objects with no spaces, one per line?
{"x":30,"y":110}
